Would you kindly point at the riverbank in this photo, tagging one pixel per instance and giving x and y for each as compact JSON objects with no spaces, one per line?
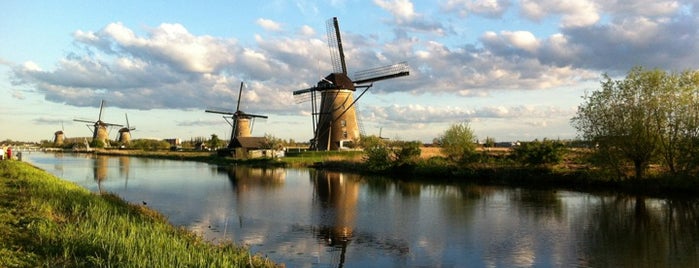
{"x":431,"y":167}
{"x":45,"y":221}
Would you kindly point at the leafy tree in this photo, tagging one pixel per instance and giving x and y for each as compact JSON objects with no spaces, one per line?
{"x":679,"y":110}
{"x":215,"y":142}
{"x":489,"y":142}
{"x":458,"y":142}
{"x":647,"y":115}
{"x":273,"y":142}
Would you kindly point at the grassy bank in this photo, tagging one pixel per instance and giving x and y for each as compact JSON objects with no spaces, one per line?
{"x":45,"y":221}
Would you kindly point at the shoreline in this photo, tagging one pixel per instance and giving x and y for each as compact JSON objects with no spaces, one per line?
{"x":535,"y":177}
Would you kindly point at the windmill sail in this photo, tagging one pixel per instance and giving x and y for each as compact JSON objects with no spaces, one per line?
{"x":381,"y":73}
{"x":337,"y":55}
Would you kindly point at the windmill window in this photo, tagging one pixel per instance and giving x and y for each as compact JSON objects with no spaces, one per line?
{"x":344,"y":134}
{"x":343,"y":123}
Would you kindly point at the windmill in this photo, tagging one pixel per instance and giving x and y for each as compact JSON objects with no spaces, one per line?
{"x":335,"y":122}
{"x":125,"y":132}
{"x":241,"y":121}
{"x":59,"y":137}
{"x":100,"y":127}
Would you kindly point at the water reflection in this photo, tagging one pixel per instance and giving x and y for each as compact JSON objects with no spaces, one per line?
{"x":638,"y":232}
{"x":335,"y":202}
{"x":244,"y":177}
{"x":100,"y":165}
{"x":308,"y":218}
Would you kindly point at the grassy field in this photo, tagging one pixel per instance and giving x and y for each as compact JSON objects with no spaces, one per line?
{"x":48,"y":222}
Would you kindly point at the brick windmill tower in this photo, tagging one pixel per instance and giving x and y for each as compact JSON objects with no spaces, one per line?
{"x":335,"y":121}
{"x":242,"y":122}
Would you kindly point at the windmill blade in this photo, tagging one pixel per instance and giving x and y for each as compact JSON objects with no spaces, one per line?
{"x":381,"y":73}
{"x":219,"y":112}
{"x":84,"y":121}
{"x":337,"y":55}
{"x":112,"y":125}
{"x":240,"y":94}
{"x":305,"y":90}
{"x":128,"y":126}
{"x":99,"y":118}
{"x":252,"y":115}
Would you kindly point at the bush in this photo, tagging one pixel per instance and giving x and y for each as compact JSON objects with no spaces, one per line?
{"x":150,"y":145}
{"x":539,"y":152}
{"x":406,"y":152}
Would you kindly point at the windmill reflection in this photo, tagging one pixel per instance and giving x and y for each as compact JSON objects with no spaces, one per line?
{"x":100,"y":167}
{"x":244,"y":178}
{"x":124,"y":163}
{"x":335,"y":199}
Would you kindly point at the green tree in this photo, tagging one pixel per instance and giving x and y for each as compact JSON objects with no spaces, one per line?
{"x":458,"y":142}
{"x":489,"y":142}
{"x":679,"y":110}
{"x":215,"y":142}
{"x":272,"y":142}
{"x":650,"y":114}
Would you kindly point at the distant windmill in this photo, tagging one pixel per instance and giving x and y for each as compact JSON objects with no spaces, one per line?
{"x":100,"y":128}
{"x":59,"y":137}
{"x":241,"y":121}
{"x":125,"y":132}
{"x":336,"y":120}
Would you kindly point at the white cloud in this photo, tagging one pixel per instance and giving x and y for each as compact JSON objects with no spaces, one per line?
{"x":402,"y":10}
{"x":574,"y":13}
{"x":522,"y":40}
{"x":269,"y":25}
{"x":487,"y":8}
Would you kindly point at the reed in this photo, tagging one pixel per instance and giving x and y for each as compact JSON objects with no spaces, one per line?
{"x":49,"y":222}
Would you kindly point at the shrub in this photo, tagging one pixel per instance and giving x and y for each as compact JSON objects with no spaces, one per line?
{"x":539,"y":152}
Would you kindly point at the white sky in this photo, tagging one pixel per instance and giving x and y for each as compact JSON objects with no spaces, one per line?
{"x":515,"y":69}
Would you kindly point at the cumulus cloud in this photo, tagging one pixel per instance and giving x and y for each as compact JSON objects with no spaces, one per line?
{"x":574,"y":13}
{"x":486,"y":8}
{"x":416,"y":113}
{"x":407,"y":20}
{"x":269,"y":25}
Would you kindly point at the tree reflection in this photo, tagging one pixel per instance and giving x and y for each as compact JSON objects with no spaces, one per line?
{"x":539,"y":203}
{"x":637,"y":232}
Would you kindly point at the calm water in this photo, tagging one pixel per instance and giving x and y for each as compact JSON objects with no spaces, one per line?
{"x":307,"y":218}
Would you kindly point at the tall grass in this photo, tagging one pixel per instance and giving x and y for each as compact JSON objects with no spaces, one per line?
{"x":45,"y":221}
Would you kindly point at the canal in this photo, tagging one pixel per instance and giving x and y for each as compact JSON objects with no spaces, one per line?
{"x":309,"y":218}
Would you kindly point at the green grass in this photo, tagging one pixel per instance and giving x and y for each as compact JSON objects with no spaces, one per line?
{"x":45,"y":221}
